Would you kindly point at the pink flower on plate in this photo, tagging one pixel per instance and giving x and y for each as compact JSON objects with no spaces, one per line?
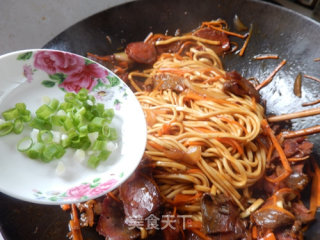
{"x":102,"y":187}
{"x":79,"y":191}
{"x":87,"y":78}
{"x":27,"y":72}
{"x":58,"y":62}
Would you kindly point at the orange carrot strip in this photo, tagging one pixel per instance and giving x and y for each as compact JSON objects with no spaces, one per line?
{"x":233,"y":143}
{"x":110,"y":194}
{"x":312,"y":77}
{"x":103,"y":58}
{"x":269,"y":236}
{"x":266,"y":56}
{"x":254,"y":232}
{"x":270,"y":77}
{"x":194,"y":224}
{"x":246,"y":41}
{"x":317,"y":183}
{"x":234,"y":122}
{"x":194,"y":170}
{"x":269,"y":154}
{"x":200,"y":234}
{"x":296,"y":159}
{"x":75,"y":224}
{"x":279,"y":149}
{"x":65,"y":207}
{"x":184,"y":198}
{"x":224,"y":31}
{"x":316,"y":59}
{"x":165,"y":129}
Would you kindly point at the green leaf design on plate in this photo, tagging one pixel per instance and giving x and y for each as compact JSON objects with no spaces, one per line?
{"x":48,"y":83}
{"x":117,"y":101}
{"x":96,"y":180}
{"x":114,"y":81}
{"x":60,"y":77}
{"x":94,"y":185}
{"x":24,"y":56}
{"x":88,"y":61}
{"x":54,"y":199}
{"x":121,"y":174}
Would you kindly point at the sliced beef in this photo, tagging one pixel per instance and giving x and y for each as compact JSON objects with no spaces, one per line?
{"x":297,"y":180}
{"x":220,"y":218}
{"x":111,"y":222}
{"x":140,"y":197}
{"x":274,"y":213}
{"x":297,"y":147}
{"x":240,"y":86}
{"x":141,"y":52}
{"x":219,"y":214}
{"x":302,"y":213}
{"x":211,"y":34}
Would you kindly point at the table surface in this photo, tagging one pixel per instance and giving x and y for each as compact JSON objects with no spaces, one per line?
{"x":26,"y":24}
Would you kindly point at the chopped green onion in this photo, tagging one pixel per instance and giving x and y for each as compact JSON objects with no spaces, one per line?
{"x":45,"y":136}
{"x":6,"y":128}
{"x":93,"y":161}
{"x":35,"y":152}
{"x":78,"y":122}
{"x":24,"y":144}
{"x":44,"y":112}
{"x":11,"y":114}
{"x":18,"y":126}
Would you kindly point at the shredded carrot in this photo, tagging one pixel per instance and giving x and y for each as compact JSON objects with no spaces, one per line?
{"x":297,"y":159}
{"x":234,"y":122}
{"x":110,"y":194}
{"x":233,"y":143}
{"x":156,"y":146}
{"x":254,"y":232}
{"x":269,"y":154}
{"x":184,"y":198}
{"x":165,"y":129}
{"x":241,"y":52}
{"x":269,"y":236}
{"x":194,"y":224}
{"x":75,"y":224}
{"x":270,"y":77}
{"x":65,"y":207}
{"x":200,"y":234}
{"x":223,"y":30}
{"x":266,"y":56}
{"x":315,"y":188}
{"x":194,"y":170}
{"x":103,"y":58}
{"x":312,"y":77}
{"x":279,"y":149}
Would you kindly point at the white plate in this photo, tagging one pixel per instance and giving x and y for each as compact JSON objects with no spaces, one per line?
{"x":29,"y":75}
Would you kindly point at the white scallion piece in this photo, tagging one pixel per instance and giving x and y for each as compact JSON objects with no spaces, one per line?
{"x":60,"y":169}
{"x":79,"y":155}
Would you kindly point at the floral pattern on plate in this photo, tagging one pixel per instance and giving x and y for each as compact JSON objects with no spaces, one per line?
{"x":71,"y":74}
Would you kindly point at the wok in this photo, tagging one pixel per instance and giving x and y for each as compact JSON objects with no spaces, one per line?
{"x":275,"y":30}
